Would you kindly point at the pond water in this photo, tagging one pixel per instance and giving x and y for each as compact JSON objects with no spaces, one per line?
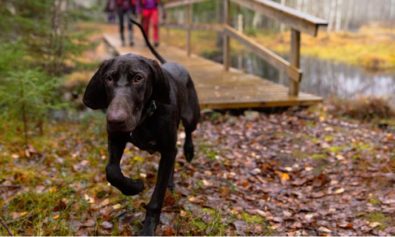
{"x":325,"y":78}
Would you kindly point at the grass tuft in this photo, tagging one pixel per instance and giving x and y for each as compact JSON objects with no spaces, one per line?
{"x":363,"y":108}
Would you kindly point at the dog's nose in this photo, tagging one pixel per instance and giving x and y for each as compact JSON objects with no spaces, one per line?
{"x":116,"y":117}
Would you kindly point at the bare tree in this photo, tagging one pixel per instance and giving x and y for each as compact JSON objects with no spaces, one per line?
{"x":339,"y":11}
{"x":332,"y":15}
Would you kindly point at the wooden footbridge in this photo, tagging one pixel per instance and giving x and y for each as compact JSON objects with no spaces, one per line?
{"x":222,"y":87}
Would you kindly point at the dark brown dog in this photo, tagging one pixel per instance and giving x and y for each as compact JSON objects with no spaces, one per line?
{"x":145,"y":103}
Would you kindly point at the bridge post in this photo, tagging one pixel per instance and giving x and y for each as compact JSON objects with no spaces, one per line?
{"x":295,"y":61}
{"x":226,"y":38}
{"x":189,"y":30}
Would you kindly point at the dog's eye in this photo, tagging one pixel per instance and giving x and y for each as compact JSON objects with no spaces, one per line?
{"x":137,"y":79}
{"x":109,"y":79}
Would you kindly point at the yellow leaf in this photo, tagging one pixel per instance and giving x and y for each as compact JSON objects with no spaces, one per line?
{"x":138,"y":159}
{"x":105,"y":202}
{"x":283,"y":176}
{"x":117,"y":206}
{"x":183,"y":213}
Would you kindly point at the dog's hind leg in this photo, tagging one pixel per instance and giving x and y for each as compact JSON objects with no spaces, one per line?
{"x":188,"y":145}
{"x":190,"y":116}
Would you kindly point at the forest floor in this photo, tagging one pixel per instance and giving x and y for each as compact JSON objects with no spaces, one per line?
{"x":298,"y":172}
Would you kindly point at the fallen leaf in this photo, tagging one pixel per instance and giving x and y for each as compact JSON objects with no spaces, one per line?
{"x":374,"y":224}
{"x":168,"y":231}
{"x":16,"y":215}
{"x":105,"y":202}
{"x":106,"y":225}
{"x":89,"y":223}
{"x":324,"y":229}
{"x":283,"y":176}
{"x":117,"y":206}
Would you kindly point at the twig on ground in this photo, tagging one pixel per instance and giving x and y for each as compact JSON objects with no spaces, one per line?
{"x":5,"y":226}
{"x":9,"y":186}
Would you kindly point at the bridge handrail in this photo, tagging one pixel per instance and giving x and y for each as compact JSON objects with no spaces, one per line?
{"x":296,"y":20}
{"x":180,"y":3}
{"x":293,"y":18}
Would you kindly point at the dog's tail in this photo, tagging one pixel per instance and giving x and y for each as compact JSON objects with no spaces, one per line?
{"x":152,"y":49}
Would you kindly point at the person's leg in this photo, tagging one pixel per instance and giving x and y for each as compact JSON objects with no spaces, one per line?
{"x":155,"y":25}
{"x":120,"y":21}
{"x":146,"y":20}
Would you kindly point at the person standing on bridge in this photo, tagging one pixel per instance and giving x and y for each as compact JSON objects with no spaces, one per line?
{"x":126,"y":9}
{"x":150,"y":14}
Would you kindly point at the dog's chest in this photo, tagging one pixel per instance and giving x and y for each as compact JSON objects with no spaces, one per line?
{"x":144,"y":139}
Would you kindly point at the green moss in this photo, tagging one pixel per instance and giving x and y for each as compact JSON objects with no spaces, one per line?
{"x":318,"y":156}
{"x":381,"y":218}
{"x":299,"y":154}
{"x":335,"y":149}
{"x":255,"y":219}
{"x":374,"y":201}
{"x":209,"y":222}
{"x":328,"y":138}
{"x":252,"y":219}
{"x":43,"y":212}
{"x":360,"y":146}
{"x":208,"y":151}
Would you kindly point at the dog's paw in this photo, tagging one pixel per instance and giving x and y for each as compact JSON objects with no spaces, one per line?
{"x":149,"y":227}
{"x":188,"y":152}
{"x":133,"y":187}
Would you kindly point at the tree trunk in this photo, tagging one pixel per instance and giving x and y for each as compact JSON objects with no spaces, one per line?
{"x":332,"y":15}
{"x":56,"y":40}
{"x":220,"y":19}
{"x":339,"y":10}
{"x":24,"y":114}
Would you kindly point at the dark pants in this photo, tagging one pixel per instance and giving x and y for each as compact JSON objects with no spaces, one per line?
{"x":123,"y":15}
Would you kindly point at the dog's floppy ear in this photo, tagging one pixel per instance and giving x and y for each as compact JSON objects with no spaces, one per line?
{"x":161,"y":87}
{"x":95,"y":94}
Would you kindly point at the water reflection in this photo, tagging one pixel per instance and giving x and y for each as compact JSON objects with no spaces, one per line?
{"x":325,"y":78}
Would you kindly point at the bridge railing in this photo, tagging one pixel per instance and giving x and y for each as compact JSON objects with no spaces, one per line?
{"x":299,"y":22}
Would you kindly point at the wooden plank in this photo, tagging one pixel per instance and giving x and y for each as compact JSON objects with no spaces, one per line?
{"x":181,"y":3}
{"x":295,"y":60}
{"x":256,"y":104}
{"x":226,"y":39}
{"x":207,"y":27}
{"x":289,"y":16}
{"x":271,"y":57}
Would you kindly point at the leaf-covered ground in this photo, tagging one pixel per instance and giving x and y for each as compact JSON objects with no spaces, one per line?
{"x":289,"y":173}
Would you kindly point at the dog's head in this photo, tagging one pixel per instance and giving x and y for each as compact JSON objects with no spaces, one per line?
{"x":124,"y":86}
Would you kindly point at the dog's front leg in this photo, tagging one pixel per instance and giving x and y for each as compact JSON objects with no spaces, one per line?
{"x":127,"y":186}
{"x":166,"y":165}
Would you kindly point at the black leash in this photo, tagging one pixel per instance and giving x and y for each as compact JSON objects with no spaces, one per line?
{"x":153,"y":51}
